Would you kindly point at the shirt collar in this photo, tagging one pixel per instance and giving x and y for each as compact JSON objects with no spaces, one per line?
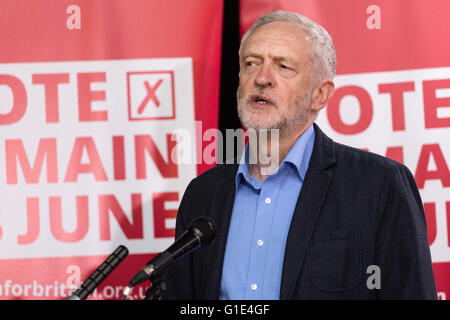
{"x":300,"y":153}
{"x":298,"y":157}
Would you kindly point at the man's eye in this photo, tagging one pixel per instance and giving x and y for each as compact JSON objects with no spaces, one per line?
{"x":287,"y":71}
{"x":249,"y":63}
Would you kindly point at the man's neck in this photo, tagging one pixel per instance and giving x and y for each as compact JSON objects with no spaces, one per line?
{"x":266,"y":151}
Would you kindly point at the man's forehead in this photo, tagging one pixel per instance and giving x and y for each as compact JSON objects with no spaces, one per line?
{"x":276,"y":29}
{"x":278,"y":37}
{"x":283,"y":41}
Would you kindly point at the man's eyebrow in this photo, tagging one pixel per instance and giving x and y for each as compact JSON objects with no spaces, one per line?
{"x":253,"y":55}
{"x":276,"y":58}
{"x":283,"y":59}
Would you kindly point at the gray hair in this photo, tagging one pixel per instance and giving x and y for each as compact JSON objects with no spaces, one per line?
{"x":324,"y":60}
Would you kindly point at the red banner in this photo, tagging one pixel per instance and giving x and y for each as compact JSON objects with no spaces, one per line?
{"x":93,"y":95}
{"x":392,"y":92}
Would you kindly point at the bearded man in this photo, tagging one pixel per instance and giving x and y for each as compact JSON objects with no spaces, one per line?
{"x":326,"y":218}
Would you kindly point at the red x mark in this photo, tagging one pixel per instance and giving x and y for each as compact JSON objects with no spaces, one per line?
{"x":150,"y":95}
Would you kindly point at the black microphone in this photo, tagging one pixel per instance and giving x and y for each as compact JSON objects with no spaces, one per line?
{"x":201,"y":231}
{"x":100,"y":273}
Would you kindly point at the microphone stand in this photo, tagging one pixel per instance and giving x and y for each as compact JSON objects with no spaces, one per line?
{"x":156,"y":289}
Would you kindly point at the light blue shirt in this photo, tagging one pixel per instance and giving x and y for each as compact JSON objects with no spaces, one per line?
{"x":260,"y":223}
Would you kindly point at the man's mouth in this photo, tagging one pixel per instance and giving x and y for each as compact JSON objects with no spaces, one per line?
{"x":260,"y":100}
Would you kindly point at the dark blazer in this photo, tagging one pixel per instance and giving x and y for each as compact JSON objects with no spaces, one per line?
{"x":356,"y":209}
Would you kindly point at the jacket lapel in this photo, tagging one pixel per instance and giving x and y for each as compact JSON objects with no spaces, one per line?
{"x":307,"y":210}
{"x":221,"y":207}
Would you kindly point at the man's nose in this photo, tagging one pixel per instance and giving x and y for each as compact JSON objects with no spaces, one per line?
{"x":265,"y":77}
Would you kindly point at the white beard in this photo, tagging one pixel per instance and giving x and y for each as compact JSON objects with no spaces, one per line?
{"x":295,"y":118}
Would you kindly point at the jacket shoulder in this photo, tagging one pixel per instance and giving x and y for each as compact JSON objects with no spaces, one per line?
{"x":358,"y":158}
{"x":211,"y":176}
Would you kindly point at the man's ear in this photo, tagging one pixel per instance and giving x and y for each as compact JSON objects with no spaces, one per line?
{"x":322,"y":93}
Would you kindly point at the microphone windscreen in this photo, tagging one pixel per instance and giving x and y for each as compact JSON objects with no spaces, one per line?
{"x":205,"y":227}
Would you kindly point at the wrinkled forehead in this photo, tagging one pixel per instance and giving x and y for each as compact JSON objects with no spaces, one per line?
{"x":279,"y":38}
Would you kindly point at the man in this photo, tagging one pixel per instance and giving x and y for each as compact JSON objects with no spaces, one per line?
{"x":331,"y":222}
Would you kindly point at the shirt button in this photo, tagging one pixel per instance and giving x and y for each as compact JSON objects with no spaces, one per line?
{"x":260,"y":243}
{"x":268,"y":200}
{"x":254,"y":286}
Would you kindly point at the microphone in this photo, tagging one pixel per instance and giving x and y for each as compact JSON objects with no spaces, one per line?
{"x":100,"y":273}
{"x":201,"y":231}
